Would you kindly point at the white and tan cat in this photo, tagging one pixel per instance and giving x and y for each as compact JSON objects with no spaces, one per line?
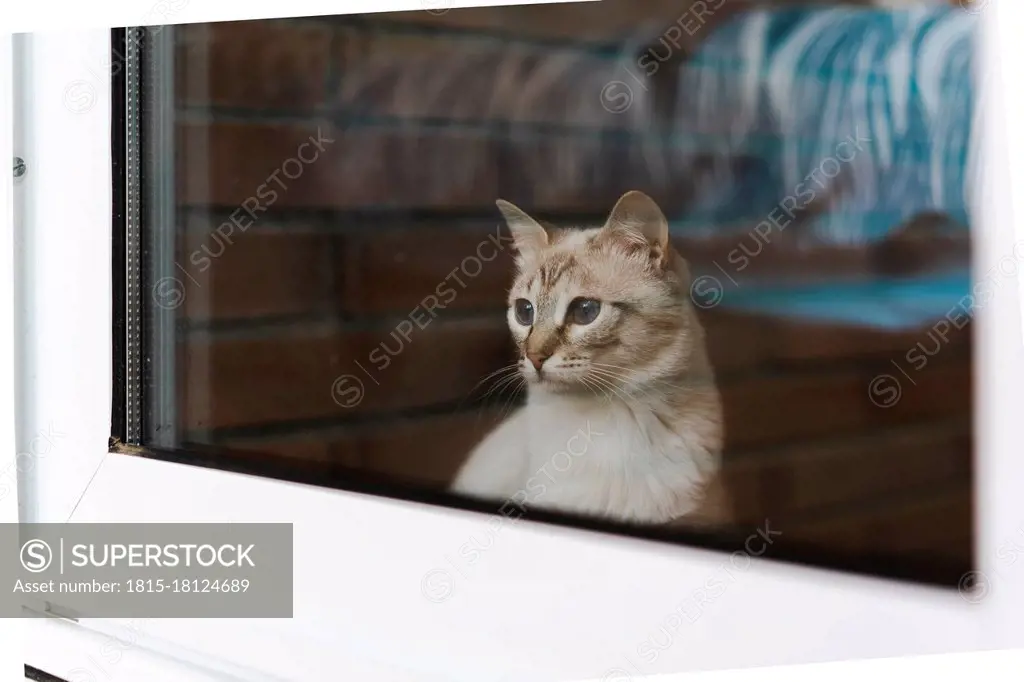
{"x":622,"y":420}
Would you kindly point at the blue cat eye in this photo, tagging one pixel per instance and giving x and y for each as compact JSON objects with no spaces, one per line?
{"x":583,"y":311}
{"x":523,"y":310}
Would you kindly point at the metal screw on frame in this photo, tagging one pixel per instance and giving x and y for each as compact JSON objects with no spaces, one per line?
{"x":19,"y":166}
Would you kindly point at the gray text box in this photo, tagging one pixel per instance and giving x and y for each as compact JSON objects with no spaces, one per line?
{"x":152,"y":570}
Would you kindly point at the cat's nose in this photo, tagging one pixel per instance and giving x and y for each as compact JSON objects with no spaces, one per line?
{"x":537,"y":359}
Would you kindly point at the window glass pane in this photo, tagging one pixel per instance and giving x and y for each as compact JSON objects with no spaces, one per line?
{"x":776,"y":329}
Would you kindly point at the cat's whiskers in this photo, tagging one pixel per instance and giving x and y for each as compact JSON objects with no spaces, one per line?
{"x":501,"y":371}
{"x":644,"y":390}
{"x":589,"y":387}
{"x":502,"y":384}
{"x":655,"y":381}
{"x":628,"y":384}
{"x":514,"y":367}
{"x":630,"y":402}
{"x":512,"y":398}
{"x":623,"y":396}
{"x":615,"y":374}
{"x":634,"y":401}
{"x":594,"y":388}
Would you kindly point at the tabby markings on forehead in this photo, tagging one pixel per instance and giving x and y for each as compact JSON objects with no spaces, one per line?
{"x":552,"y":271}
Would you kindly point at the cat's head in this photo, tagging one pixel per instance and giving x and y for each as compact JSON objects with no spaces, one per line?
{"x":601,"y":309}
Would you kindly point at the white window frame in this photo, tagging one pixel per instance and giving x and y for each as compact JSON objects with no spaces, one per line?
{"x":11,"y":658}
{"x":545,"y":602}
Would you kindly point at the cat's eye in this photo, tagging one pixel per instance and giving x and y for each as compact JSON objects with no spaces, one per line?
{"x":583,"y":311}
{"x":523,"y":311}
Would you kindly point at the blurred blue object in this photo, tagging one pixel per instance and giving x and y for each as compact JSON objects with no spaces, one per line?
{"x":881,"y":99}
{"x":893,"y":305}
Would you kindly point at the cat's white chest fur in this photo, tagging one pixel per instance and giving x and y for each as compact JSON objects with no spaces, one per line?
{"x":592,"y":457}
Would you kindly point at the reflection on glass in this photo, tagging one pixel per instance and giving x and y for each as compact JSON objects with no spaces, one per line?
{"x":675,"y":270}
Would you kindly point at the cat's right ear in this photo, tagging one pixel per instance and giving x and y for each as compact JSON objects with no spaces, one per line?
{"x":529,"y":236}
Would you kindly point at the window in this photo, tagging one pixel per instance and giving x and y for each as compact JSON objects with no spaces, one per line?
{"x":292,"y":201}
{"x":327,"y":275}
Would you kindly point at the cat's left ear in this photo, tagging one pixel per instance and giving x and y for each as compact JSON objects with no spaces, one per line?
{"x":637,"y":217}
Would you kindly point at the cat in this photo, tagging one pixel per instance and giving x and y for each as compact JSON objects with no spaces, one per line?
{"x":623,"y":420}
